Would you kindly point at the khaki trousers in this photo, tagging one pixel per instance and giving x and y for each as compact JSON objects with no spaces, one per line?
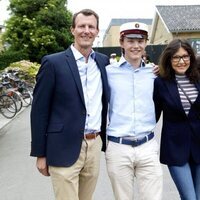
{"x":125,"y":162}
{"x":78,"y":181}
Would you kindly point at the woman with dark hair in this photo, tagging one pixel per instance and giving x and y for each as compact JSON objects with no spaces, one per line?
{"x":176,"y":95}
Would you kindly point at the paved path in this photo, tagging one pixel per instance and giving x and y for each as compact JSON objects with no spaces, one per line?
{"x":4,"y":121}
{"x":19,"y":179}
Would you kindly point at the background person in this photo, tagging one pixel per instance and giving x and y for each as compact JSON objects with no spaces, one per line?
{"x":113,"y":57}
{"x":132,"y":150}
{"x":69,"y":112}
{"x":176,"y":94}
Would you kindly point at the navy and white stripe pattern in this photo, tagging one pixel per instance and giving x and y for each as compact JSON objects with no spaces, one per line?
{"x":189,"y":89}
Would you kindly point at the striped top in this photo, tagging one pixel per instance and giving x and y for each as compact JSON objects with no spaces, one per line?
{"x":189,"y":89}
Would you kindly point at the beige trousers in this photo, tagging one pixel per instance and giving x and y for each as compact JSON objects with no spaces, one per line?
{"x":125,"y":162}
{"x":78,"y":181}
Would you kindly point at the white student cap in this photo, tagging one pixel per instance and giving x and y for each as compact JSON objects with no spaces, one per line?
{"x":134,"y":30}
{"x":113,"y":54}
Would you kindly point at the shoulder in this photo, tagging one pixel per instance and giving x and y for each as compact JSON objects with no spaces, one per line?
{"x":54,"y":56}
{"x":158,"y":79}
{"x":101,"y":55}
{"x":161,"y":82}
{"x":57,"y":54}
{"x":52,"y":61}
{"x":101,"y":59}
{"x":112,"y":67}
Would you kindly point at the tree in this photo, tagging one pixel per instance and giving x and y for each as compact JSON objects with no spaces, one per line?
{"x":38,"y":27}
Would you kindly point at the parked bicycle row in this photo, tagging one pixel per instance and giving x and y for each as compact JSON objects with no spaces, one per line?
{"x":15,"y":93}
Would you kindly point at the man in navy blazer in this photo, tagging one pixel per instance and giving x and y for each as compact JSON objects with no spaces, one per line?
{"x":69,"y":109}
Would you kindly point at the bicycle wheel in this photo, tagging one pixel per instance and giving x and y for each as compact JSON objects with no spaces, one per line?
{"x":8,"y":106}
{"x":17,"y":97}
{"x":27,"y":97}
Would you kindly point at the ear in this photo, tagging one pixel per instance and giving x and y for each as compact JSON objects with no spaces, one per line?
{"x":97,"y":32}
{"x":72,"y":30}
{"x":121,"y":42}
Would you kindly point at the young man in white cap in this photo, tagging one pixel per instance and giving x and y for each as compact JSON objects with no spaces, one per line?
{"x":132,"y":150}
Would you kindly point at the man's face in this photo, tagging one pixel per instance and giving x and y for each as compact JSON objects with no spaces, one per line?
{"x":85,"y":31}
{"x":133,"y":48}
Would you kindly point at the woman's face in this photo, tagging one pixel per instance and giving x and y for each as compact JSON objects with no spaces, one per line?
{"x":180,"y":61}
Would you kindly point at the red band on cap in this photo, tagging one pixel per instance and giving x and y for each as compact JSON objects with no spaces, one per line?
{"x":127,"y":32}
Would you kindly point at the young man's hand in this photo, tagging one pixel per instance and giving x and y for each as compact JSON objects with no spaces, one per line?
{"x":156,"y":69}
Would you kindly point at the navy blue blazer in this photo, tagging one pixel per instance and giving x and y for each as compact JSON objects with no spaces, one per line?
{"x":58,"y":111}
{"x":180,"y":137}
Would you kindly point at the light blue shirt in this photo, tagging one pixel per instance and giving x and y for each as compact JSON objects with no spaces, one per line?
{"x":92,"y":89}
{"x":131,"y":108}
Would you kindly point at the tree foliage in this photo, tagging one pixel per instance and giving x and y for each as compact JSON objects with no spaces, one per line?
{"x":38,"y":27}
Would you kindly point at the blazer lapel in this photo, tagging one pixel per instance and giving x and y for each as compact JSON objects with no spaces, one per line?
{"x":101,"y":66}
{"x":198,"y":88}
{"x":74,"y":69}
{"x":173,"y":91}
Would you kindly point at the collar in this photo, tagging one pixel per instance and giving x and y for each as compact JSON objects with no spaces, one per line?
{"x":123,"y":62}
{"x":78,"y":55}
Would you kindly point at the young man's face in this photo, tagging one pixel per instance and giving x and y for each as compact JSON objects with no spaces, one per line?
{"x":85,"y":31}
{"x":133,"y":48}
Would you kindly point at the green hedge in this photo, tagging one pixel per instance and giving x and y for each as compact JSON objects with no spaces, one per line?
{"x":8,"y":57}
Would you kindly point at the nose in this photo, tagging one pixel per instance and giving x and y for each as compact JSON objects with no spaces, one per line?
{"x":86,"y":29}
{"x":181,"y":60}
{"x":136,"y":44}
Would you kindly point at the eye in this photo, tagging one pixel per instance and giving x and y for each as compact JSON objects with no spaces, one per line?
{"x":177,"y":58}
{"x":186,"y":57}
{"x":91,"y":27}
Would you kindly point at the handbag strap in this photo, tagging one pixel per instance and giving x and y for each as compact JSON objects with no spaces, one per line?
{"x":184,"y":93}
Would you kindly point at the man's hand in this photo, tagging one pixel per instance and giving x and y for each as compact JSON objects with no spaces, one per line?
{"x":41,"y":165}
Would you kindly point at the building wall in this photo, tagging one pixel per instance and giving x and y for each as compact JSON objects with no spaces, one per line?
{"x":193,"y":37}
{"x":188,"y":35}
{"x":112,"y":37}
{"x":162,"y":36}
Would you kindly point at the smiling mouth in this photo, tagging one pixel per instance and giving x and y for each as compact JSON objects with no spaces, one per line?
{"x":181,"y":68}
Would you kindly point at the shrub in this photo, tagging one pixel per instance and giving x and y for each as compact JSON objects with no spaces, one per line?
{"x":27,"y":70}
{"x":8,"y":57}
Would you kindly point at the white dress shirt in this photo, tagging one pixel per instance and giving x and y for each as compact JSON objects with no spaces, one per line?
{"x":92,"y":89}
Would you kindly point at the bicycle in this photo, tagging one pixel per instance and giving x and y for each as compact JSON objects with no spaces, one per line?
{"x":17,"y":89}
{"x":8,"y":106}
